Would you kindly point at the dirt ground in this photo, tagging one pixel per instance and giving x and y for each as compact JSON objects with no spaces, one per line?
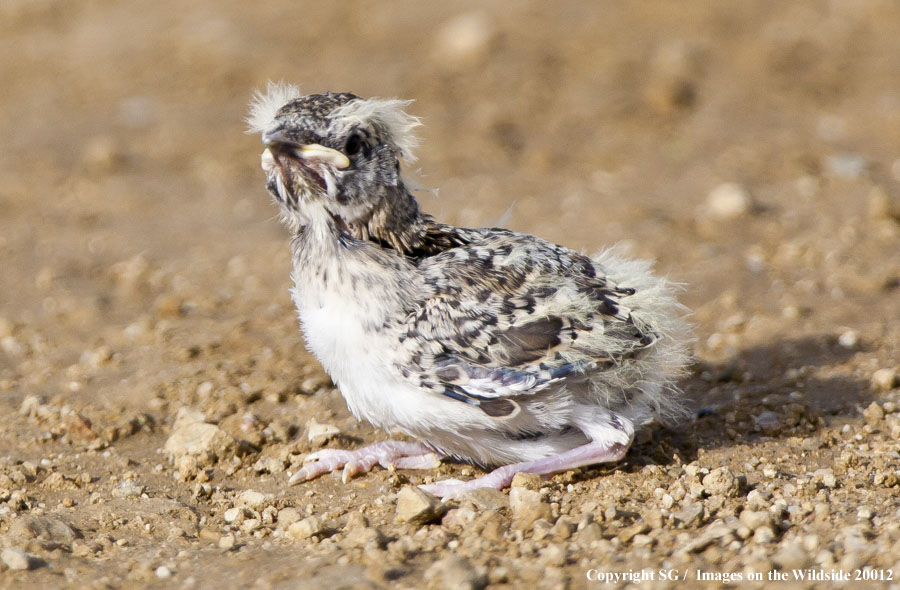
{"x":752,"y":149}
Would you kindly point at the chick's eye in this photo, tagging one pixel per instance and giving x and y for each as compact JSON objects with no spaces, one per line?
{"x":354,"y":144}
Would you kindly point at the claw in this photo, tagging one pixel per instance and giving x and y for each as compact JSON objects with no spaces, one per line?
{"x":446,"y":489}
{"x":390,"y":454}
{"x":350,"y":469}
{"x":298,"y":477}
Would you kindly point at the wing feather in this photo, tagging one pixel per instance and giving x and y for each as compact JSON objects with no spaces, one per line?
{"x":507,"y":315}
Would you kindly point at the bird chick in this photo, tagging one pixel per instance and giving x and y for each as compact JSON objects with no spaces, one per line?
{"x":486,"y":345}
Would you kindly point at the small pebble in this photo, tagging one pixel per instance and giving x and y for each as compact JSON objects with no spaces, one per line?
{"x":873,"y":413}
{"x":763,"y":535}
{"x":527,"y":507}
{"x":487,"y":499}
{"x":288,"y":516}
{"x":367,"y":538}
{"x":226,"y":542}
{"x":465,"y":37}
{"x":885,"y":379}
{"x":304,"y":529}
{"x":755,"y":519}
{"x":529,"y":481}
{"x":454,"y":573}
{"x":418,"y":507}
{"x":552,"y":555}
{"x":721,"y":482}
{"x":848,"y":339}
{"x":849,"y":166}
{"x":233,"y":515}
{"x":589,"y":534}
{"x":15,"y":558}
{"x":768,"y":421}
{"x":163,"y":572}
{"x":690,"y":515}
{"x":199,"y":438}
{"x":728,"y":201}
{"x":254,"y":500}
{"x":318,"y":434}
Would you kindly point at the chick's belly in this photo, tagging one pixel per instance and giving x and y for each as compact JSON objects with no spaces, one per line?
{"x":381,"y":397}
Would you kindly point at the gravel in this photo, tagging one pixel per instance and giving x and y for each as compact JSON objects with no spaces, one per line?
{"x":156,"y":387}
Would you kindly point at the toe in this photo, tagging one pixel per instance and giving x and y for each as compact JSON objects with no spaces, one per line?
{"x":299,"y":477}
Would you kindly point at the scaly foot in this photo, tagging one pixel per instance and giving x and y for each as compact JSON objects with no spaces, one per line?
{"x":389,"y":454}
{"x":501,"y":477}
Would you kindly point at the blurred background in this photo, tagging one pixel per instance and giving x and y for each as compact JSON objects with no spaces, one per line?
{"x":751,"y":148}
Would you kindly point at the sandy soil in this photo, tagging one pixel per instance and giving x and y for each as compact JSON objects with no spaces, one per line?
{"x":752,"y":149}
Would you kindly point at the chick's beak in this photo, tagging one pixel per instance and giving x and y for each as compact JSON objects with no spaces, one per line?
{"x":277,"y":143}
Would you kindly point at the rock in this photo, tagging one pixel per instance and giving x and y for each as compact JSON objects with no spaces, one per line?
{"x":188,"y":467}
{"x":529,"y":481}
{"x":454,"y":573}
{"x":254,"y":500}
{"x":643,"y":541}
{"x":791,"y":556}
{"x":848,"y":166}
{"x":464,"y":38}
{"x":185,"y":416}
{"x":710,"y":534}
{"x":15,"y":558}
{"x":527,"y":507}
{"x":873,"y":413}
{"x":304,"y":529}
{"x":491,"y":526}
{"x":728,"y":201}
{"x":768,"y":421}
{"x":318,"y":434}
{"x":654,"y":518}
{"x":458,"y":518}
{"x":826,"y":477}
{"x":764,"y":534}
{"x":564,"y":527}
{"x":288,"y":516}
{"x":234,"y":515}
{"x":690,"y":515}
{"x":127,"y":489}
{"x":365,"y":538}
{"x":721,"y":482}
{"x":628,"y":533}
{"x":540,"y":530}
{"x":268,"y":465}
{"x":316,"y":382}
{"x":48,"y":531}
{"x":356,"y":520}
{"x":848,"y":339}
{"x":227,"y":542}
{"x":418,"y":507}
{"x":670,"y":83}
{"x":552,"y":555}
{"x":250,"y":525}
{"x":755,"y":519}
{"x":199,"y":438}
{"x":589,"y":534}
{"x":885,"y":379}
{"x":163,"y":572}
{"x":486,"y":499}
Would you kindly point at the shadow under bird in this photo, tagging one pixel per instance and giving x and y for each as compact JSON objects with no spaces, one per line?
{"x":487,"y":345}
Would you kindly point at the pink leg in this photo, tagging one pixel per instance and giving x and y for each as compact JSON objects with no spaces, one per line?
{"x":501,"y":477}
{"x":389,"y":454}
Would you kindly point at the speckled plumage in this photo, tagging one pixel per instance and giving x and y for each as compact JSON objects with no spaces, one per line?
{"x":488,"y":345}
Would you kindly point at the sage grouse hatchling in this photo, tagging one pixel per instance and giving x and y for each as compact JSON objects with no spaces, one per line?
{"x":486,"y":345}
